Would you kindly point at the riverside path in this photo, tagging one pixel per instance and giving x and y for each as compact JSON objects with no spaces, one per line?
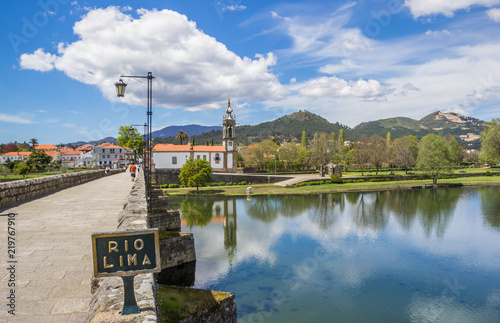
{"x":53,"y":250}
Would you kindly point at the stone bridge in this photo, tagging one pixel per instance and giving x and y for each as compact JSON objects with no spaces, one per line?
{"x":53,"y":257}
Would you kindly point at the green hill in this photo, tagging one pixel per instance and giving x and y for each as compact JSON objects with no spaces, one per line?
{"x":465,"y":129}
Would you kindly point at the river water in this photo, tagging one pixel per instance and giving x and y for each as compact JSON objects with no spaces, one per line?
{"x":391,"y":256}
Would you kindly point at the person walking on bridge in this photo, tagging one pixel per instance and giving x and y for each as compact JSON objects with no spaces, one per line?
{"x":132,"y":169}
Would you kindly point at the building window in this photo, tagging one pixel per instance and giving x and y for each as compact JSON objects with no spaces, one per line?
{"x":198,"y":157}
{"x":116,"y":156}
{"x":108,"y":156}
{"x":174,"y":160}
{"x":112,"y":150}
{"x":205,"y":157}
{"x":217,"y":158}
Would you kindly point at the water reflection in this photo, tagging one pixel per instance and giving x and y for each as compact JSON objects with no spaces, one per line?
{"x":490,"y":203}
{"x":197,"y":211}
{"x":345,"y":256}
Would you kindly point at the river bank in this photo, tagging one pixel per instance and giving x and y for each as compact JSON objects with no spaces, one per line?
{"x":270,"y":189}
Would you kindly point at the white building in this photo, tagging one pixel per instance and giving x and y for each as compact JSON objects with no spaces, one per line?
{"x":13,"y":156}
{"x":221,"y":158}
{"x":111,"y":155}
{"x":69,"y":158}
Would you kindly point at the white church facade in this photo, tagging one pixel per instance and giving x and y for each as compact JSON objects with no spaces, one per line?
{"x":221,"y":158}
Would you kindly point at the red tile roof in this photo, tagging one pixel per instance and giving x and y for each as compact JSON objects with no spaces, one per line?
{"x":46,"y":147}
{"x":172,"y":147}
{"x":17,"y":153}
{"x":110,"y":146}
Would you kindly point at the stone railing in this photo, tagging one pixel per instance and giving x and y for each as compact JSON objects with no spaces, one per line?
{"x":23,"y":190}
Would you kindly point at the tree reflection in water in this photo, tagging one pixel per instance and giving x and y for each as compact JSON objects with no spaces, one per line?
{"x":368,"y":211}
{"x":197,"y":211}
{"x":490,"y":203}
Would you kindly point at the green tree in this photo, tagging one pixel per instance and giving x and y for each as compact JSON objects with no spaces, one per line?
{"x":404,"y":152}
{"x":196,"y":173}
{"x":129,"y":137}
{"x":341,"y":138}
{"x":333,"y":144}
{"x":320,"y":150}
{"x":456,"y":153}
{"x":378,"y":151}
{"x":181,"y":136}
{"x":38,"y":159}
{"x":490,"y":142}
{"x":33,"y":143}
{"x":360,"y":154}
{"x":434,"y":156}
{"x":304,"y":142}
{"x":24,"y":170}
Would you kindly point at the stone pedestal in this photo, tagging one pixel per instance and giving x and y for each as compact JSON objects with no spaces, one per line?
{"x":167,"y":220}
{"x":176,"y":248}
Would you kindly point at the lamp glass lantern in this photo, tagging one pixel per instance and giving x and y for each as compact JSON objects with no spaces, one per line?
{"x":120,"y":88}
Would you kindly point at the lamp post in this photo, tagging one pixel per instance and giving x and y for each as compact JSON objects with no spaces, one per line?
{"x":120,"y":92}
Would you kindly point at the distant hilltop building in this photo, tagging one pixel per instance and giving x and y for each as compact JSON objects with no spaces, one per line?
{"x":221,"y":158}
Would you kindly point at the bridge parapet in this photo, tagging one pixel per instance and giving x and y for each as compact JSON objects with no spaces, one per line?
{"x":20,"y":191}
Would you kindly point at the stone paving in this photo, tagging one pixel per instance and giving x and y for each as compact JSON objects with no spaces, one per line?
{"x":54,"y":249}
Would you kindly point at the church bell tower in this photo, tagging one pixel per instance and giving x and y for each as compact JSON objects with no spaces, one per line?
{"x":228,"y":129}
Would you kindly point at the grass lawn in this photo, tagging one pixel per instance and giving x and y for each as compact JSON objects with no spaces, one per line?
{"x":270,"y":189}
{"x":415,"y":172}
{"x":35,"y":175}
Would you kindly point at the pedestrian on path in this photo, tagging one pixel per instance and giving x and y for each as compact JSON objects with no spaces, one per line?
{"x":132,"y":169}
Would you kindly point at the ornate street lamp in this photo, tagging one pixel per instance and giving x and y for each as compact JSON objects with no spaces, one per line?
{"x":120,"y":88}
{"x":148,"y":151}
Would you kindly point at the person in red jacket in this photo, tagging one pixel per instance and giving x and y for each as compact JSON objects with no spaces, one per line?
{"x":132,"y":169}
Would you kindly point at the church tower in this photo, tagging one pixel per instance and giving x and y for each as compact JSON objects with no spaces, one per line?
{"x":228,"y":129}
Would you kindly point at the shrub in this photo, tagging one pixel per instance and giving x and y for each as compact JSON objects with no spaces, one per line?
{"x":222,"y":183}
{"x":64,"y":169}
{"x":418,"y":178}
{"x":173,"y":185}
{"x":242,"y":183}
{"x":229,"y":184}
{"x":214,"y":184}
{"x":328,"y":181}
{"x":24,"y":170}
{"x":336,"y":179}
{"x":488,"y":173}
{"x":360,"y":181}
{"x":164,"y":186}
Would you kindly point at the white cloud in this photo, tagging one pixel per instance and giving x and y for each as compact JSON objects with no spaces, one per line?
{"x":421,"y":8}
{"x":234,"y":8}
{"x":333,"y":87}
{"x":322,"y":36}
{"x":494,"y":14}
{"x":192,"y":70}
{"x":14,"y":119}
{"x":38,"y":61}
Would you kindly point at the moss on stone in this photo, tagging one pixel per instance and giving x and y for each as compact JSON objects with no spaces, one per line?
{"x":177,"y":303}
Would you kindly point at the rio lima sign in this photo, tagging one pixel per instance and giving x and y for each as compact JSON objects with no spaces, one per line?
{"x":126,"y":254}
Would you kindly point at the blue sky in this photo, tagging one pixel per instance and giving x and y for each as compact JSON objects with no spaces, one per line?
{"x":348,"y":61}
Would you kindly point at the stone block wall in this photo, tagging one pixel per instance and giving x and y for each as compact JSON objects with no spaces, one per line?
{"x":22,"y":190}
{"x":171,"y":176}
{"x":176,"y":248}
{"x":168,"y":220}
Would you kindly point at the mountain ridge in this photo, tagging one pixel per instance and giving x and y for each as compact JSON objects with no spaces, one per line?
{"x":289,"y":127}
